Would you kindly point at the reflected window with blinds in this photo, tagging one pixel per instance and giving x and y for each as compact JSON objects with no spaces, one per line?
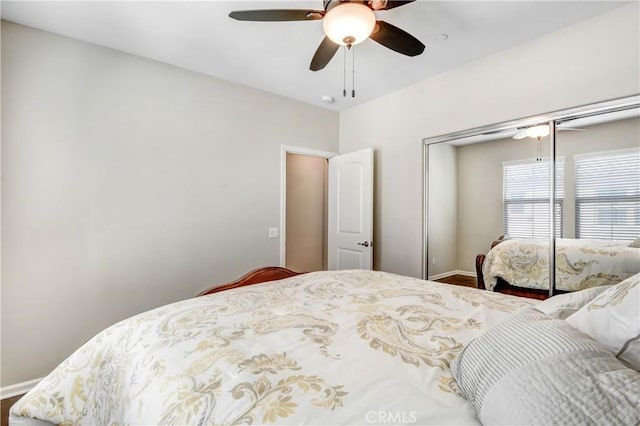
{"x":608,"y":195}
{"x":526,"y":198}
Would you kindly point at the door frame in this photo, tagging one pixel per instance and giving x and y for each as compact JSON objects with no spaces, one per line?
{"x":284,"y":150}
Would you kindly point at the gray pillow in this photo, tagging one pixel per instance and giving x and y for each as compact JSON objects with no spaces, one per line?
{"x":534,"y":369}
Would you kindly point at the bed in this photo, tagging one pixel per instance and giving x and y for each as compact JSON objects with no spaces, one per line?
{"x":333,"y":347}
{"x":520,"y":266}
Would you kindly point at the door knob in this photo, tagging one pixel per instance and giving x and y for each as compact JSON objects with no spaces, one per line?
{"x":365,"y":244}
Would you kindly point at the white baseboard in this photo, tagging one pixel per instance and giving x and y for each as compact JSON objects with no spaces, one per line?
{"x":450,"y":273}
{"x":438,"y":276}
{"x":18,"y":388}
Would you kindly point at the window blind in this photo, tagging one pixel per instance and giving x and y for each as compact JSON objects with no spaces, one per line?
{"x":526,"y":199}
{"x":608,"y":196}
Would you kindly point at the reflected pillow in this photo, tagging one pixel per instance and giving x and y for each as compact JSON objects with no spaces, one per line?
{"x":613,"y":319}
{"x":563,"y":305}
{"x":635,"y":243}
{"x":534,"y":369}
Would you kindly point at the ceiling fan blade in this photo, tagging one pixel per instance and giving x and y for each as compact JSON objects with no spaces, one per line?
{"x":277,"y":15}
{"x":323,"y":55}
{"x":520,"y":135}
{"x":396,"y":39}
{"x":393,"y":4}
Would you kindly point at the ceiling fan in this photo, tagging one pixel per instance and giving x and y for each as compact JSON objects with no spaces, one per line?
{"x":345,"y":23}
{"x":539,"y":131}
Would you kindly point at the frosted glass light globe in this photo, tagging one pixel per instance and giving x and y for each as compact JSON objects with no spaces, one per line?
{"x":349,"y":23}
{"x":538,"y":131}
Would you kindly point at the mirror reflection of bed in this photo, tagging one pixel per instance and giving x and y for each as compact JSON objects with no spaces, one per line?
{"x":580,"y":263}
{"x":488,"y":207}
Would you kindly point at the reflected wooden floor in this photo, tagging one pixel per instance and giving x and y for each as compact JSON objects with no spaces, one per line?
{"x":462,"y":280}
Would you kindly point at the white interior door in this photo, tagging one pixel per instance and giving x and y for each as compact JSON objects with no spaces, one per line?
{"x":350,"y":221}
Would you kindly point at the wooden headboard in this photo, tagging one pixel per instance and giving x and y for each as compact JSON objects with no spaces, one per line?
{"x":480,"y":261}
{"x":257,"y":276}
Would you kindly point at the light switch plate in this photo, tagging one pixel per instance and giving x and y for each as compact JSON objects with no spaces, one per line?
{"x":273,"y":233}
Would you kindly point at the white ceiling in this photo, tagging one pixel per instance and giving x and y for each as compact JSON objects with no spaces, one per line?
{"x":275,"y":56}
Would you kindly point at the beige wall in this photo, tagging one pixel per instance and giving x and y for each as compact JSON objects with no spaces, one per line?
{"x":443,"y":208}
{"x":306,"y":221}
{"x":128,"y":184}
{"x":480,"y":194}
{"x":591,"y":61}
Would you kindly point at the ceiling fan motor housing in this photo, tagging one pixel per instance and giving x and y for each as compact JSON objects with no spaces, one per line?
{"x":373,"y":4}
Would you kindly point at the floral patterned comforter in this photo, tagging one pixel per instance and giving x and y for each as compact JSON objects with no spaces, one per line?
{"x":580,"y":263}
{"x":343,"y":347}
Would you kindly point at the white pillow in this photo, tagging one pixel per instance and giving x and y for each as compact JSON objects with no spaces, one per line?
{"x":613,"y":319}
{"x":563,"y":305}
{"x":635,"y":243}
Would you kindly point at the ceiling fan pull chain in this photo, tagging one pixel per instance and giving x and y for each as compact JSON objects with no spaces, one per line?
{"x":353,"y":73}
{"x":539,"y":152}
{"x":344,"y":72}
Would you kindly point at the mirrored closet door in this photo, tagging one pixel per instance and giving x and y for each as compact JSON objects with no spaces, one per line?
{"x":488,"y":210}
{"x":600,"y":210}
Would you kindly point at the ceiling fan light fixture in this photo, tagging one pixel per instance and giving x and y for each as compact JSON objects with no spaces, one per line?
{"x":349,"y":23}
{"x":538,"y":131}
